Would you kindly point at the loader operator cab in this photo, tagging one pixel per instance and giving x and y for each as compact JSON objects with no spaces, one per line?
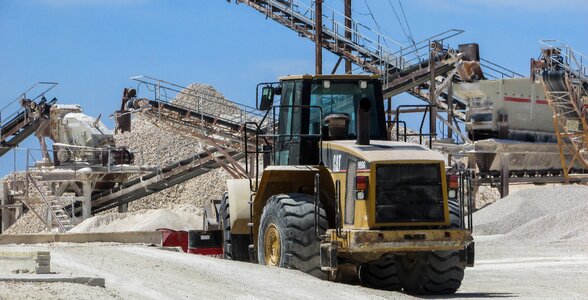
{"x":322,"y":107}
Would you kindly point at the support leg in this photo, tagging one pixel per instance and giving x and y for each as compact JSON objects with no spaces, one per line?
{"x":86,"y":201}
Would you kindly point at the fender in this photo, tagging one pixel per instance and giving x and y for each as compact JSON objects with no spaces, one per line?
{"x":239,"y":209}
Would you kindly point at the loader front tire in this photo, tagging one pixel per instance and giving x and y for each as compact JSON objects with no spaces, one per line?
{"x":287,"y":237}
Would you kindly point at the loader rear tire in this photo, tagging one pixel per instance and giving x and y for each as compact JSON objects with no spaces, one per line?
{"x":235,"y":246}
{"x":381,"y":274}
{"x":287,"y":237}
{"x":454,"y":214}
{"x":435,"y":272}
{"x":430,"y":273}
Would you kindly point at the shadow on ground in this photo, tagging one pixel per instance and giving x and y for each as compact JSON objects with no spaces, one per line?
{"x":470,"y":295}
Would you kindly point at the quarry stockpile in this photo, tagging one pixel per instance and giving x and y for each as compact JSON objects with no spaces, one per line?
{"x":183,"y":217}
{"x":28,"y":223}
{"x":543,"y":215}
{"x":155,"y":145}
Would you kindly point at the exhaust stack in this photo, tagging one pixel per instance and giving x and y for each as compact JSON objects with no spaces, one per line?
{"x":363,"y":121}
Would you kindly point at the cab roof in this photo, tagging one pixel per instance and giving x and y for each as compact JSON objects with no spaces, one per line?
{"x":329,"y":77}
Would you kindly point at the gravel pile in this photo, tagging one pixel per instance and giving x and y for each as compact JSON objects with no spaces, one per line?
{"x":205,"y":98}
{"x":485,"y":196}
{"x":54,"y":290}
{"x":182,"y":218}
{"x":545,"y":214}
{"x":153,"y":145}
{"x":409,"y":139}
{"x":28,"y":223}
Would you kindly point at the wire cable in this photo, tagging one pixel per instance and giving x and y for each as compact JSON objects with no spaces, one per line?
{"x":408,"y":34}
{"x":399,"y":21}
{"x":406,"y":21}
{"x":376,"y":22}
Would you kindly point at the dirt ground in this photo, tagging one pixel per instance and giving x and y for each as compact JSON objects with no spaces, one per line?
{"x":521,"y":270}
{"x":531,"y":245}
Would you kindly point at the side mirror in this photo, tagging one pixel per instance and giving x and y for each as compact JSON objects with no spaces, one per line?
{"x":267,"y":98}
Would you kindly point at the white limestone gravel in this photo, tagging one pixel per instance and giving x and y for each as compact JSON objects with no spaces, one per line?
{"x":55,"y":290}
{"x":155,"y":145}
{"x":541,"y":214}
{"x":185,"y":217}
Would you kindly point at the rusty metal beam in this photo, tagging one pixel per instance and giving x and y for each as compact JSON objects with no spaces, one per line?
{"x":348,"y":33}
{"x":318,"y":32}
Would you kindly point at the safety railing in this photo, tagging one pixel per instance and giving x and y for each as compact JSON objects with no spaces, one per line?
{"x":571,"y":59}
{"x":495,"y":71}
{"x":206,"y":102}
{"x":381,"y":51}
{"x":33,"y":93}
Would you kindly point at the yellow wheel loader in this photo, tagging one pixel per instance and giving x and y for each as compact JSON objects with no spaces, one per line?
{"x":335,"y":198}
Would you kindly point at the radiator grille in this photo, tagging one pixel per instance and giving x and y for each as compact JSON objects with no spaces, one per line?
{"x":409,"y":193}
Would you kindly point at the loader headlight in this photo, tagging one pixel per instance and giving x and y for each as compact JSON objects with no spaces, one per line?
{"x":452,"y":193}
{"x":360,"y":195}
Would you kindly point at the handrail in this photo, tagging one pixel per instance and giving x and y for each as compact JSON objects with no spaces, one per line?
{"x":504,"y":72}
{"x":157,"y":85}
{"x":573,"y":60}
{"x":385,"y":51}
{"x":59,"y":224}
{"x":23,"y":95}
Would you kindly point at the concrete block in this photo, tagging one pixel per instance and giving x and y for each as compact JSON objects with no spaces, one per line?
{"x":28,"y":261}
{"x":50,"y":278}
{"x":134,"y":237}
{"x":43,"y":270}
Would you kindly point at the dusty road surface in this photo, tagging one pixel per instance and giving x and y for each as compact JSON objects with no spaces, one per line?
{"x":528,"y":271}
{"x":530,"y":245}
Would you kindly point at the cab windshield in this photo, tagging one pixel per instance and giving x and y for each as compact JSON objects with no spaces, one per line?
{"x":342,"y":98}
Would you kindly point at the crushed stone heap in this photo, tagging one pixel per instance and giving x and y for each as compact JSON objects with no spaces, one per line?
{"x":544,"y":214}
{"x":28,"y":223}
{"x":155,"y":145}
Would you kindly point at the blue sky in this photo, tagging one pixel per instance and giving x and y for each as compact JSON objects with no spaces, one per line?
{"x":92,"y":47}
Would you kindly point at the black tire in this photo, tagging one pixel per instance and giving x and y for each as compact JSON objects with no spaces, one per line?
{"x":435,"y":272}
{"x":235,"y":246}
{"x":454,"y":214}
{"x":381,"y":274}
{"x":292,"y":217}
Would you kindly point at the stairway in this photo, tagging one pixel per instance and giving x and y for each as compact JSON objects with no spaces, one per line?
{"x":371,"y":50}
{"x":56,"y":216}
{"x":61,"y":216}
{"x":565,"y":80}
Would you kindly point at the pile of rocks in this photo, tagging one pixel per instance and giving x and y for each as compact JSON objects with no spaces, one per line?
{"x":540,"y":214}
{"x":155,"y":145}
{"x":181,"y":218}
{"x":28,"y":223}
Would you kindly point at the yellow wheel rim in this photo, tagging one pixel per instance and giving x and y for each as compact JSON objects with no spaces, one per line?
{"x":271,"y":245}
